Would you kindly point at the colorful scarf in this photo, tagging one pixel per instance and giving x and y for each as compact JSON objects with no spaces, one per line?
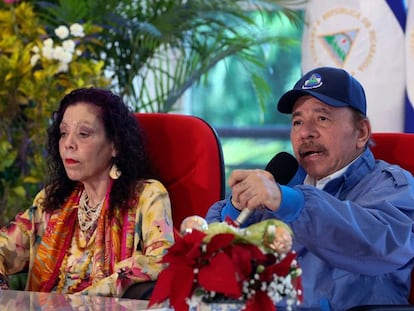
{"x":110,"y":244}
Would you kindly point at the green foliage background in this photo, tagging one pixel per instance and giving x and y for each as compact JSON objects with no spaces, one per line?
{"x":150,"y":52}
{"x":227,"y":97}
{"x":28,"y":96}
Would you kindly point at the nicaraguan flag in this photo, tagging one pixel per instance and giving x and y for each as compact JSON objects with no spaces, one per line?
{"x":366,"y":38}
{"x":409,"y":44}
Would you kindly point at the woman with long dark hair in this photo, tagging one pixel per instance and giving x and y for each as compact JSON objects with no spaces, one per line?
{"x":102,"y":222}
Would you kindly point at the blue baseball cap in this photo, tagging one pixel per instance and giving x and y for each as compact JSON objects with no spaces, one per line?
{"x":332,"y":86}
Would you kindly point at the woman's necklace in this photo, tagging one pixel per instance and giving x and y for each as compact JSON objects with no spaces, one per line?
{"x":83,"y":270}
{"x":88,"y":215}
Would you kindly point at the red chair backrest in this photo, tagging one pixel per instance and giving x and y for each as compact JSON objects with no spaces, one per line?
{"x":186,"y":153}
{"x":395,"y":148}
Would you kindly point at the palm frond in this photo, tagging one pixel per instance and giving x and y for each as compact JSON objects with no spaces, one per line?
{"x":156,"y":50}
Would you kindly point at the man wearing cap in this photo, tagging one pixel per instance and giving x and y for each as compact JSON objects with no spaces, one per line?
{"x":351,"y":216}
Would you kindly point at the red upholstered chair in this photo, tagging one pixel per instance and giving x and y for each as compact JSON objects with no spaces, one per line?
{"x":186,"y":152}
{"x":396,"y":148}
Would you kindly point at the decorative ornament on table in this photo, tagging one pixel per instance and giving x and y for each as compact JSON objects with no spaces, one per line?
{"x":193,"y":222}
{"x":248,"y":269}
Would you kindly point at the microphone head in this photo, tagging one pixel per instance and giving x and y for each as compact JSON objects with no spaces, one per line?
{"x":283,"y":166}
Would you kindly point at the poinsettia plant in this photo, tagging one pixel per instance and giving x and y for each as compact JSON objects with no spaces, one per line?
{"x":255,"y":266}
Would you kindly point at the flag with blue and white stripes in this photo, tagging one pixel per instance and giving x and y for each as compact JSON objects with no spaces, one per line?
{"x":366,"y":38}
{"x":409,"y":44}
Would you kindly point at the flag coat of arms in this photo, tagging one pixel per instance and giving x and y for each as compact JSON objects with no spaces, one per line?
{"x":366,"y":39}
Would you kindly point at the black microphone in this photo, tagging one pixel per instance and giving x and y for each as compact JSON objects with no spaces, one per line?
{"x":283,"y":166}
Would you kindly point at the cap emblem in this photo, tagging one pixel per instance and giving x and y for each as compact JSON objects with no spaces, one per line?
{"x":313,"y":82}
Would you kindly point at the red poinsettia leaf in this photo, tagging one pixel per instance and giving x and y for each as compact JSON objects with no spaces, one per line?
{"x":242,"y":261}
{"x":283,"y":267}
{"x":257,"y":254}
{"x":175,"y":282}
{"x":246,"y":257}
{"x":178,"y":249}
{"x":260,"y":302}
{"x":186,"y":248}
{"x":195,"y":237}
{"x":297,"y":284}
{"x":162,"y":287}
{"x":289,"y":257}
{"x":219,"y":241}
{"x":194,"y":240}
{"x":220,"y":276}
{"x":182,"y":288}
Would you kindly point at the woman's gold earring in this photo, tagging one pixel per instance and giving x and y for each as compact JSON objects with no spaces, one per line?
{"x":114,"y":173}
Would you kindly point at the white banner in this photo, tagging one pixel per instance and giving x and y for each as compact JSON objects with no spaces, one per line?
{"x":365,"y":38}
{"x":409,"y":31}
